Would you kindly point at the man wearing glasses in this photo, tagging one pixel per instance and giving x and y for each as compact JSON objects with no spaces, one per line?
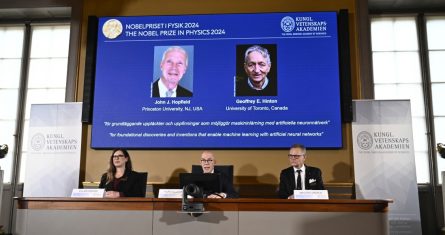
{"x":299,"y":176}
{"x":208,"y":167}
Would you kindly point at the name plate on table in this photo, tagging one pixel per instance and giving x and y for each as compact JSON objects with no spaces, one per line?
{"x":88,"y":192}
{"x":311,"y":194}
{"x":170,"y":193}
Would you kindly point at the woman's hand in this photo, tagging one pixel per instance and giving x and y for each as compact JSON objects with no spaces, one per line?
{"x":112,"y":194}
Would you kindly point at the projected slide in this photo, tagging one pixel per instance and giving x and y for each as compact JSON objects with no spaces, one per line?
{"x":226,"y":81}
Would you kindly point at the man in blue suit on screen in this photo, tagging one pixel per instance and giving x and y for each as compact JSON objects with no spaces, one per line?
{"x":173,"y":67}
{"x":299,"y":176}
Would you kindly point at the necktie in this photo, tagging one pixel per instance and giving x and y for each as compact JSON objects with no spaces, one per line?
{"x":299,"y":180}
{"x":169,"y":93}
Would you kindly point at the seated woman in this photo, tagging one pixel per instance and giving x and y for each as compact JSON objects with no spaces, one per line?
{"x":120,"y":180}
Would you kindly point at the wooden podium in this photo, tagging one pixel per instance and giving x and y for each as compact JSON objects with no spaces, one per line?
{"x":224,"y":216}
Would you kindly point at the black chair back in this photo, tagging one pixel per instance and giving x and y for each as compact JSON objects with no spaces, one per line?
{"x":142,"y":182}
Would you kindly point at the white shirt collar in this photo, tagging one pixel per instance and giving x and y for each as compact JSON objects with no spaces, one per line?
{"x":303,"y":168}
{"x":266,"y":82}
{"x":163,"y":89}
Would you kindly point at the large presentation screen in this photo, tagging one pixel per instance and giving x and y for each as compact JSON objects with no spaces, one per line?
{"x":225,"y":81}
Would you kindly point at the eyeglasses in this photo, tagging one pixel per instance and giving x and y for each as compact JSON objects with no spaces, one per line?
{"x":206,"y":160}
{"x":295,"y":156}
{"x":118,"y":156}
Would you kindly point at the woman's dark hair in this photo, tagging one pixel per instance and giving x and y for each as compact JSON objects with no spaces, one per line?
{"x":112,"y":169}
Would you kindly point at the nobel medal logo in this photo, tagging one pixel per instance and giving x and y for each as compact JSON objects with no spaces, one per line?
{"x":112,"y":28}
{"x":287,"y":24}
{"x":364,"y":140}
{"x":38,"y":142}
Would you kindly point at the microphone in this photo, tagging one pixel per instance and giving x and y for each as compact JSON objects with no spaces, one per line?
{"x":3,"y":150}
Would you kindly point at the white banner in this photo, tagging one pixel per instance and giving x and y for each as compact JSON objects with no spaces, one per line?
{"x":53,"y":162}
{"x":1,"y":189}
{"x":384,"y":163}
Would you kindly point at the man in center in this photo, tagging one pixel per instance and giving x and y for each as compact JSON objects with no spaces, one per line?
{"x":299,"y":176}
{"x":208,"y":162}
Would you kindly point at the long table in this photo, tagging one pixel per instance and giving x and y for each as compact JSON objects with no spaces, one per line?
{"x":155,"y":216}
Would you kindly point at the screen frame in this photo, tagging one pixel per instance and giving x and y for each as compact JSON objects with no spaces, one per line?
{"x":343,"y":98}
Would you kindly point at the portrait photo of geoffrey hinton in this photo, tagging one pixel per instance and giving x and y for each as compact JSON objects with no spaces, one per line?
{"x":172,"y":72}
{"x":256,"y":70}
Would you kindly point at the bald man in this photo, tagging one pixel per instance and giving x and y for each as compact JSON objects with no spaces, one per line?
{"x":208,"y":162}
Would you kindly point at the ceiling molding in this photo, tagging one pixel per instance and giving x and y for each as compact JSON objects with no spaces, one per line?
{"x":406,"y":5}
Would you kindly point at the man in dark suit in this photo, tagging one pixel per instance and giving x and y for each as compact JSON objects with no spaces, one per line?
{"x":208,"y":166}
{"x":173,"y":67}
{"x":299,"y":176}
